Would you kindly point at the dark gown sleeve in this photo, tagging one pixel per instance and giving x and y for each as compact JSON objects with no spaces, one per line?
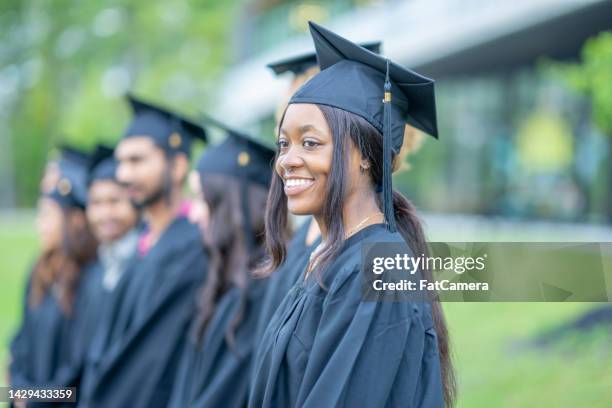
{"x":108,"y":328}
{"x":140,"y":368}
{"x":214,"y":374}
{"x":116,"y":324}
{"x":87,"y":312}
{"x":20,"y":344}
{"x":370,"y":354}
{"x":282,"y":280}
{"x":228,"y":380}
{"x":186,"y":373}
{"x":41,"y":345}
{"x":48,"y":348}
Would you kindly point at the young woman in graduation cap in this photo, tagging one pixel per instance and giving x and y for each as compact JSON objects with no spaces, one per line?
{"x":232,"y":181}
{"x":307,"y":237}
{"x":58,"y":294}
{"x":302,"y":67}
{"x":338,"y":144}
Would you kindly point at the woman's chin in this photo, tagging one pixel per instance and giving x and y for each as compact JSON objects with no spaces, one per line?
{"x":299,"y":212}
{"x":299,"y":208}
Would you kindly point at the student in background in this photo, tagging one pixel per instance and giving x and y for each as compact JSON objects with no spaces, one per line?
{"x":233,"y":179}
{"x":112,"y":217}
{"x":138,"y":370}
{"x":113,"y":220}
{"x":337,"y":147}
{"x":61,"y":285}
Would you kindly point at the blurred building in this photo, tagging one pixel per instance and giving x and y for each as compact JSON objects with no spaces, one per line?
{"x":514,"y":141}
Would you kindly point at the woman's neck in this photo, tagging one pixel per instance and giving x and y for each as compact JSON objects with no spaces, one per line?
{"x":360,"y":210}
{"x":313,"y":232}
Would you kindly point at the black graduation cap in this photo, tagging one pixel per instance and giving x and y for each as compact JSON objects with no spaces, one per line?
{"x":385,"y":94}
{"x":169,"y":130}
{"x":102,"y":164}
{"x":303,"y":62}
{"x":71,"y":188}
{"x":70,"y":155}
{"x":239,"y":155}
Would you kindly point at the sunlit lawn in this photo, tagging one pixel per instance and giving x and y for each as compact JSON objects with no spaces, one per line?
{"x":491,"y":372}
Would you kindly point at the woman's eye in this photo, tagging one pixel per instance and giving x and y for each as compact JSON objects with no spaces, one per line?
{"x":310,"y":143}
{"x":282,"y":144}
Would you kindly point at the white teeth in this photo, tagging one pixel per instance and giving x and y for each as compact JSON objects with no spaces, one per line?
{"x":297,"y":182}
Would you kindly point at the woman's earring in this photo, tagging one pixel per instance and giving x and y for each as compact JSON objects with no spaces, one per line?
{"x":363,"y":168}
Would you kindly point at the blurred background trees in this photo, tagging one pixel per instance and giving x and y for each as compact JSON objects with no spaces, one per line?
{"x":517,"y":139}
{"x":592,"y":78}
{"x":64,"y":66}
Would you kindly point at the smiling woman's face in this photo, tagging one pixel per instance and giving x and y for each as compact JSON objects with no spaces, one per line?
{"x":305,"y":158}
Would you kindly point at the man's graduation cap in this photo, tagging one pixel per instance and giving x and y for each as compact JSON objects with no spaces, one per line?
{"x":170,"y":131}
{"x":71,"y":188}
{"x":239,"y":156}
{"x":102,"y":165}
{"x":385,"y":94}
{"x":303,"y":62}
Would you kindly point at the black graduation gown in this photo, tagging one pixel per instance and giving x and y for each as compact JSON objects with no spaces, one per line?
{"x":331,"y":349}
{"x":213,"y":374}
{"x":109,"y":328}
{"x":48,"y":349}
{"x":138,"y":369}
{"x":286,"y":275}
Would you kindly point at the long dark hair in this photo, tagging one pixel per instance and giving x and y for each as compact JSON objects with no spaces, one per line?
{"x":62,"y":266}
{"x":232,"y":254}
{"x":346,"y":128}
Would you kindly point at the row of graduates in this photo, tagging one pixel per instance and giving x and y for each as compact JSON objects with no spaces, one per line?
{"x":142,"y":298}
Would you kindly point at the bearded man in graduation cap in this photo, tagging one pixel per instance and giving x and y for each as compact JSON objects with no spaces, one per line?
{"x":139,"y":368}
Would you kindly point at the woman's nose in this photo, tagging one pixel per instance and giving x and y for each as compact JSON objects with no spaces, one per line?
{"x":291,"y":160}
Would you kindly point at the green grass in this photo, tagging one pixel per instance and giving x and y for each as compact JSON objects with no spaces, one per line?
{"x":490,"y":372}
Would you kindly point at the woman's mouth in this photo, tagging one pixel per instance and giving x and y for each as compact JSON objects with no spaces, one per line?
{"x":295,"y":186}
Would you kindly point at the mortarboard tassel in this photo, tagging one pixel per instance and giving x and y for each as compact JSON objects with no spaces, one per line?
{"x":387,"y":182}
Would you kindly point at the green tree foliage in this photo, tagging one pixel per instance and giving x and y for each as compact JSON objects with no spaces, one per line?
{"x":593,"y":77}
{"x":64,"y":65}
